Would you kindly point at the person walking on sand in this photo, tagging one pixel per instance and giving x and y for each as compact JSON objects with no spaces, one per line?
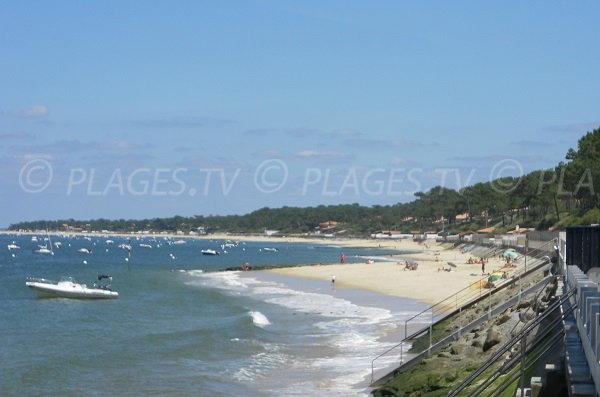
{"x":482,"y":266}
{"x":342,"y":259}
{"x":333,"y":279}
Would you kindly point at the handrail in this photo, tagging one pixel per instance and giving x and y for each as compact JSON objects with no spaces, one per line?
{"x":510,"y":343}
{"x":454,"y":295}
{"x":463,"y":302}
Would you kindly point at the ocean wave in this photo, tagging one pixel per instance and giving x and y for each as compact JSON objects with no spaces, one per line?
{"x":261,"y":364}
{"x":223,"y":280}
{"x":259,"y":319}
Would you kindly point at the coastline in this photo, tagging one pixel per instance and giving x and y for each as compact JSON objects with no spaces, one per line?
{"x":427,"y":284}
{"x":345,"y":242}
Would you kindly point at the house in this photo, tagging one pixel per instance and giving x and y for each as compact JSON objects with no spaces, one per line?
{"x":328,"y":224}
{"x":461,"y":217}
{"x":390,"y":234}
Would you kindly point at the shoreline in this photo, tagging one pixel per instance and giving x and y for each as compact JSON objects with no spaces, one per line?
{"x":386,"y":275}
{"x":365,"y":242}
{"x":389,"y":330}
{"x":428,"y":284}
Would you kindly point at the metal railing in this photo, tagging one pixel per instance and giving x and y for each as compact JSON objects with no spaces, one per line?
{"x":587,"y":317}
{"x":456,"y":302}
{"x":529,"y":354}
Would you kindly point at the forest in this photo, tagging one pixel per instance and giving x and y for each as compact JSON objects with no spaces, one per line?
{"x":546,"y":199}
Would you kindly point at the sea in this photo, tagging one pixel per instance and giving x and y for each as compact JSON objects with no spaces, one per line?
{"x":182,"y":326}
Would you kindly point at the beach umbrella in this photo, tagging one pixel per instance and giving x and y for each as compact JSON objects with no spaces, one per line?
{"x":494,"y":277}
{"x":512,"y":254}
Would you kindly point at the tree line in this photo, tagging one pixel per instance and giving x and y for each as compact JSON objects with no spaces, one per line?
{"x":567,"y":194}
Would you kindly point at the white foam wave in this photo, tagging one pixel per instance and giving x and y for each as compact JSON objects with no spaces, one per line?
{"x":323,"y":304}
{"x":260,"y":364}
{"x":338,"y":346}
{"x":259,"y":319}
{"x":224,"y":280}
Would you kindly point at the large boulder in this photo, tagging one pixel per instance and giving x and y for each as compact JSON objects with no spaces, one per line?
{"x":492,"y":339}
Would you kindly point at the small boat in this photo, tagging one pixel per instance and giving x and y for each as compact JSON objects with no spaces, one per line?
{"x":84,"y":250}
{"x":209,"y":252}
{"x":43,"y":249}
{"x":179,"y":242}
{"x":271,"y":249}
{"x":68,"y":288}
{"x":13,"y":246}
{"x":145,"y":246}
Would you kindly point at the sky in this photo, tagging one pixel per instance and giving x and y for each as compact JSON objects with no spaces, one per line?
{"x":131,"y":110}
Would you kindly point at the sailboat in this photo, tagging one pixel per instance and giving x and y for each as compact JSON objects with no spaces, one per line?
{"x":43,"y":249}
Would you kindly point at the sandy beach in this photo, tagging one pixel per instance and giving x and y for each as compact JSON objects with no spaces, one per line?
{"x":430,"y":283}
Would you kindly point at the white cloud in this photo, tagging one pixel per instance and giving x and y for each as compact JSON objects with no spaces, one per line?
{"x":17,"y":136}
{"x":314,"y":154}
{"x":35,"y":111}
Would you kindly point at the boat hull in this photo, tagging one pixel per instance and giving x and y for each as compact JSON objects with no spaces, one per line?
{"x":70,"y":290}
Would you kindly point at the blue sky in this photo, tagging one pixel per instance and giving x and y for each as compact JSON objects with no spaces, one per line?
{"x":122,"y":109}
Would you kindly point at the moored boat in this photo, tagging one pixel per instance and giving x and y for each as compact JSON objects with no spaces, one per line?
{"x":68,"y":288}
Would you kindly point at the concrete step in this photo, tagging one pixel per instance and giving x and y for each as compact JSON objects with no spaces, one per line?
{"x":578,"y":373}
{"x":583,"y":390}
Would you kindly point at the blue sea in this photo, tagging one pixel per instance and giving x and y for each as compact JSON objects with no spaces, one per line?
{"x":183,"y":327}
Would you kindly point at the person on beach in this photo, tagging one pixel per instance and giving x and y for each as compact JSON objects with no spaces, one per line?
{"x":333,"y":279}
{"x":482,"y":266}
{"x":342,"y":259}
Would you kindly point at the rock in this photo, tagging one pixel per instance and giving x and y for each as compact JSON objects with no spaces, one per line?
{"x":502,"y":319}
{"x":526,"y":316}
{"x":476,"y":343}
{"x":457,"y":349}
{"x":493,"y":338}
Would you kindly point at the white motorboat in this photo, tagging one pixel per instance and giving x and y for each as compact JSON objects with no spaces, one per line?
{"x":13,"y":246}
{"x":84,"y":250}
{"x":68,"y":288}
{"x":209,"y":252}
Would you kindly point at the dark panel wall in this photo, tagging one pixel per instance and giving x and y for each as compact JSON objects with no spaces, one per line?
{"x":583,"y":246}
